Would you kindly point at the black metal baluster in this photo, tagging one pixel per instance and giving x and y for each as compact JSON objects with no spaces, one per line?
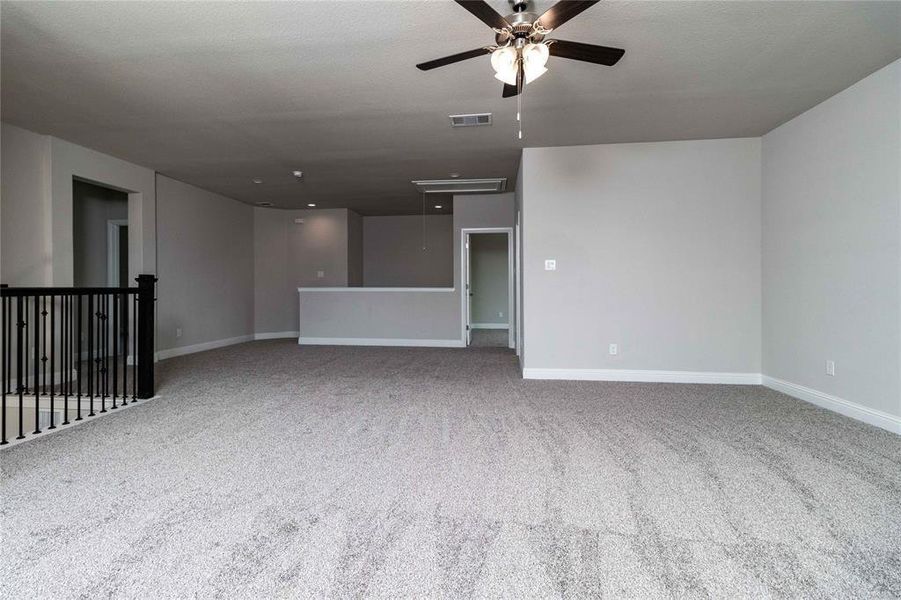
{"x":115,"y":348}
{"x":77,"y":357}
{"x":106,"y":340}
{"x":6,"y":345}
{"x":67,"y":374}
{"x":98,"y":346}
{"x":134,"y":355}
{"x":25,"y":320}
{"x":37,"y":365}
{"x":91,"y":354}
{"x":104,"y":357}
{"x":52,"y":354}
{"x":20,"y":360}
{"x":3,"y":303}
{"x":43,"y":339}
{"x":9,"y":345}
{"x":124,"y":300}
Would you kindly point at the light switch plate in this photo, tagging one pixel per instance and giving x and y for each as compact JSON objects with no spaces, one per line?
{"x":550,"y":265}
{"x":320,"y":274}
{"x":830,"y":368}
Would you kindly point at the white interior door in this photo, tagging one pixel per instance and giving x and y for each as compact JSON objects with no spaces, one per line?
{"x":468,"y":291}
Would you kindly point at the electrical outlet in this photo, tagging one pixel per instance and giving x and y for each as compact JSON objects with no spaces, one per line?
{"x":500,"y":314}
{"x":550,"y":265}
{"x":614,"y":349}
{"x":178,"y":332}
{"x":830,"y":368}
{"x":320,"y":274}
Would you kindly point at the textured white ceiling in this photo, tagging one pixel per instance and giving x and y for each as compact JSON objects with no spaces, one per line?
{"x":216,"y":94}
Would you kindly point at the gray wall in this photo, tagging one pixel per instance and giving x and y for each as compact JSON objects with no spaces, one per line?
{"x":289,"y":255}
{"x":205,"y":265}
{"x":363,"y":314}
{"x":354,"y":249}
{"x":832,"y":245}
{"x":25,"y":250}
{"x":488,"y":259}
{"x":393,"y":253}
{"x":657,"y":248}
{"x":93,"y":207}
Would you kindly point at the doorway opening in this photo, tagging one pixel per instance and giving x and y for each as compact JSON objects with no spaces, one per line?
{"x":488,"y":300}
{"x":100,"y":242}
{"x":100,"y":235}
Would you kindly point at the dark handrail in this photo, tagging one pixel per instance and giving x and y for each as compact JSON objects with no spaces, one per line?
{"x":13,"y":292}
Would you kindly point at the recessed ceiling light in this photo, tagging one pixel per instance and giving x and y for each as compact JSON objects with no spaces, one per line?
{"x":311,"y":205}
{"x":438,"y":206}
{"x":298,"y":174}
{"x":257,"y":180}
{"x":264,"y":203}
{"x":454,"y":175}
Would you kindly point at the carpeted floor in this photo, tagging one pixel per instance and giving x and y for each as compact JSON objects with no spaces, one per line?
{"x":271,"y":470}
{"x":490,"y":338}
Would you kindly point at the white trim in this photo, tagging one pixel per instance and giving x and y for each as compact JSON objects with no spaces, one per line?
{"x":836,"y":404}
{"x":320,"y":341}
{"x":511,"y":307}
{"x":517,"y":284}
{"x":374,"y":289}
{"x":182,"y":350}
{"x":645,"y":376}
{"x":276,"y":335}
{"x":489,"y":325}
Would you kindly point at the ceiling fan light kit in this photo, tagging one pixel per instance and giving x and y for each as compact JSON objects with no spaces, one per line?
{"x":521,"y":53}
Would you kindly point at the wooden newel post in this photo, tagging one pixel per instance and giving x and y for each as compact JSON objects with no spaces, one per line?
{"x":146,"y":293}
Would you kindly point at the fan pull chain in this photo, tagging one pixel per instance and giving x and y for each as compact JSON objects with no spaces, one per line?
{"x":519,"y":84}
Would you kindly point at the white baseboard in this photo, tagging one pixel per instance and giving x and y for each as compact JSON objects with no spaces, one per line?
{"x":644,"y":376}
{"x":181,"y":351}
{"x":316,"y":341}
{"x":868,"y":415}
{"x":489,"y":326}
{"x":276,"y":335}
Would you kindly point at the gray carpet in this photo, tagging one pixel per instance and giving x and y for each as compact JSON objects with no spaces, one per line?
{"x":490,"y":338}
{"x":270,"y":470}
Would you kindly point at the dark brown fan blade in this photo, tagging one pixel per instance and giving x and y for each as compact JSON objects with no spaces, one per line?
{"x":599,"y":55}
{"x":447,"y":60}
{"x":484,"y":13}
{"x":562,"y":12}
{"x":514,"y":90}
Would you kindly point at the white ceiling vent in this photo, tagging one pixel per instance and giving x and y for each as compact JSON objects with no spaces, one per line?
{"x":473,"y":120}
{"x":461,"y":186}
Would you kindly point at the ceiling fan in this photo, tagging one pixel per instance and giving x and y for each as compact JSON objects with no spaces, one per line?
{"x":521,"y":51}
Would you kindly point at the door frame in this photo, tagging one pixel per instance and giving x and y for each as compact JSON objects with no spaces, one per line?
{"x":112,"y":251}
{"x":464,"y":273}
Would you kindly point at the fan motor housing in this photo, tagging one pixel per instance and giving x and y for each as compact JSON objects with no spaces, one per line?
{"x":521,"y":27}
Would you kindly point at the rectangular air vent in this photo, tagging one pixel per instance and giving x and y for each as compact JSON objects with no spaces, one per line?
{"x":461,"y":186}
{"x":473,"y":120}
